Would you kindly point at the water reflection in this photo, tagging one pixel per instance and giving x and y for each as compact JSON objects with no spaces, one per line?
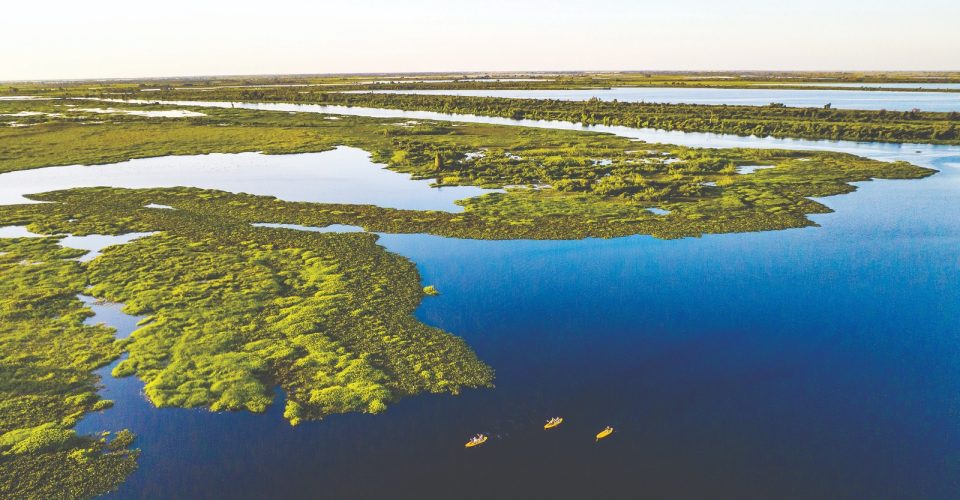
{"x":110,"y":314}
{"x":332,"y":228}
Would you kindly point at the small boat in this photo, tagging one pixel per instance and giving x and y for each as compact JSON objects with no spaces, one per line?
{"x":604,"y":433}
{"x":476,"y":441}
{"x":553,"y":422}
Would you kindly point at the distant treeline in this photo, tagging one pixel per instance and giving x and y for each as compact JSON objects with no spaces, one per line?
{"x":773,"y":120}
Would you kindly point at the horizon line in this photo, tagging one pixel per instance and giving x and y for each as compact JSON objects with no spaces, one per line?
{"x":475,"y":72}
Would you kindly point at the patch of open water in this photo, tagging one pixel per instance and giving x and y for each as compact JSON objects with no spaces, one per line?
{"x":342,"y":175}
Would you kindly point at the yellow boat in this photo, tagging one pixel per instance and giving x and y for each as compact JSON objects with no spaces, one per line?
{"x":553,"y":422}
{"x":604,"y":433}
{"x":476,"y":441}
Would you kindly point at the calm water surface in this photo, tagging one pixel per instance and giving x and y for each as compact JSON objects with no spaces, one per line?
{"x":332,"y":228}
{"x":843,"y":99}
{"x":343,"y":175}
{"x":811,"y":363}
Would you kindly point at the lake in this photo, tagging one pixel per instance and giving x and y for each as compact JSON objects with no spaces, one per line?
{"x":807,"y":363}
{"x":816,"y":98}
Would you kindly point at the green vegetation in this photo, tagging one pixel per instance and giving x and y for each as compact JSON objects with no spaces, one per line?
{"x":762,"y":121}
{"x":47,"y":355}
{"x":593,"y":80}
{"x":60,"y":135}
{"x":560,"y":184}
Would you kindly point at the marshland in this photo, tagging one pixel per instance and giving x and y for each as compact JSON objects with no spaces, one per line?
{"x":325,"y":291}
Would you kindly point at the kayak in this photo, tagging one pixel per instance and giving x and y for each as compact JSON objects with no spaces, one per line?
{"x":553,"y":422}
{"x":477,"y":441}
{"x":604,"y":433}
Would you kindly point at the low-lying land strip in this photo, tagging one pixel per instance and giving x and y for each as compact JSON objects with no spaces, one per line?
{"x":761,"y":121}
{"x":892,"y":81}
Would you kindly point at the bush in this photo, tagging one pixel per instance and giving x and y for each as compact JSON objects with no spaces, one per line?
{"x":122,"y":440}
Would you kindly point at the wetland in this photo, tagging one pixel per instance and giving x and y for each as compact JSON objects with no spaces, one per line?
{"x":308,"y":297}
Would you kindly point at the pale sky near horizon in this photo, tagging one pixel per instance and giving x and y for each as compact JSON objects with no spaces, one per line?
{"x":123,"y":39}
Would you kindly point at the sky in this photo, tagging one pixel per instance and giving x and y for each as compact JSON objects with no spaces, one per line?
{"x":58,"y":39}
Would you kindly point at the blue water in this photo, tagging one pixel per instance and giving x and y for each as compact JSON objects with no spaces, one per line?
{"x":842,"y":99}
{"x":811,"y":363}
